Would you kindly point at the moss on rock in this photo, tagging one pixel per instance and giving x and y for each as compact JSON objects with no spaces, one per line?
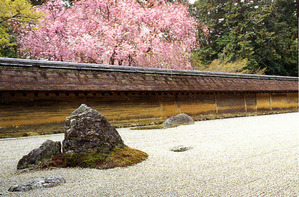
{"x":118,"y":157}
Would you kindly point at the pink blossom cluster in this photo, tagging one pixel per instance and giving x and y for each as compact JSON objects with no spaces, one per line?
{"x":154,"y":34}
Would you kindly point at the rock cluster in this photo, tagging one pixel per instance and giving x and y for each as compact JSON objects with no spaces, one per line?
{"x":180,"y":119}
{"x":86,"y":130}
{"x":43,"y":182}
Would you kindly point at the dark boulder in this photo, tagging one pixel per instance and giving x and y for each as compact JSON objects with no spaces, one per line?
{"x":86,"y":131}
{"x":180,"y":119}
{"x":40,"y":155}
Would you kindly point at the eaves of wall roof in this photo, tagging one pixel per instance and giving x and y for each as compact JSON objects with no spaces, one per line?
{"x":35,"y":75}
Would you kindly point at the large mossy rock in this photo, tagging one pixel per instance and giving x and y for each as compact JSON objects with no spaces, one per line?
{"x":180,"y":119}
{"x":40,"y":155}
{"x":88,"y":131}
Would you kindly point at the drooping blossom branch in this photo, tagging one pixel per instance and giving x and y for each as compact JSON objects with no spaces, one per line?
{"x":122,"y":32}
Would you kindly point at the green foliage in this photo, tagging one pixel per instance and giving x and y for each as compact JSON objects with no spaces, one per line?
{"x":264,"y":32}
{"x":13,"y":14}
{"x":122,"y":157}
{"x":238,"y":66}
{"x":118,"y":157}
{"x":85,"y":160}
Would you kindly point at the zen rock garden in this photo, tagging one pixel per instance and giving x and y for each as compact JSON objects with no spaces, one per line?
{"x":90,"y":141}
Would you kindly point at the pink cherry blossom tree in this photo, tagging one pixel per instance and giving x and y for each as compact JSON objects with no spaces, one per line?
{"x":155,"y":34}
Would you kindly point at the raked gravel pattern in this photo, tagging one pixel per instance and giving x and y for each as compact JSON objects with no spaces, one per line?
{"x":247,"y":156}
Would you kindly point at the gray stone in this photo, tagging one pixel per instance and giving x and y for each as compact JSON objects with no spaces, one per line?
{"x":180,"y":119}
{"x":180,"y":148}
{"x":43,"y":182}
{"x":40,"y":155}
{"x":86,"y":130}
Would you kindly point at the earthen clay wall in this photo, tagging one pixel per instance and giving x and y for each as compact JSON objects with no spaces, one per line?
{"x":32,"y":93}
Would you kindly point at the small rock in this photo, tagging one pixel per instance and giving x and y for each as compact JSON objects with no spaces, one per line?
{"x":180,"y":148}
{"x":180,"y":119}
{"x":42,"y":154}
{"x":89,"y":131}
{"x":43,"y":182}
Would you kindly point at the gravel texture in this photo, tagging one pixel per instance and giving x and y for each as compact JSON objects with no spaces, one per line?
{"x":248,"y":156}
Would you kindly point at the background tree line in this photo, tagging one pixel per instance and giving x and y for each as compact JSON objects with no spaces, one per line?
{"x":251,"y":36}
{"x":264,"y":33}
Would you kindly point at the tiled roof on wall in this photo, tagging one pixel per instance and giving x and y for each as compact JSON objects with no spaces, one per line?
{"x":35,"y":75}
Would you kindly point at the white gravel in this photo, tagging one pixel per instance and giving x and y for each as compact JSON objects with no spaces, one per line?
{"x":248,"y":156}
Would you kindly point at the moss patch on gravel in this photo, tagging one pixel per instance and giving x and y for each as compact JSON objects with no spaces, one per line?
{"x":32,"y":130}
{"x":159,"y":126}
{"x":204,"y":117}
{"x":53,"y":128}
{"x":118,"y":157}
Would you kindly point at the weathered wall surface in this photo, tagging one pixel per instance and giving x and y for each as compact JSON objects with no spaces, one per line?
{"x":18,"y":109}
{"x":41,"y":93}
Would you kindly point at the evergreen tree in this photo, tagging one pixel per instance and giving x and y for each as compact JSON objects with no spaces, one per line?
{"x":264,"y":32}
